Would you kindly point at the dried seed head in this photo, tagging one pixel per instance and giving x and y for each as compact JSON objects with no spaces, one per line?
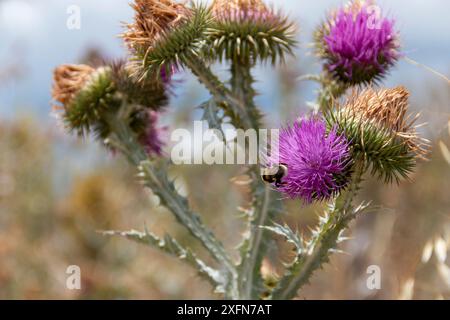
{"x":85,"y":93}
{"x":388,"y":108}
{"x":238,"y":8}
{"x":381,"y":131}
{"x":69,"y":79}
{"x":163,"y":36}
{"x":153,"y":19}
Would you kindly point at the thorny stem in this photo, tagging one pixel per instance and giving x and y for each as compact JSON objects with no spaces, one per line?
{"x":224,"y":97}
{"x":265,"y":201}
{"x":329,"y":92}
{"x":250,"y":275}
{"x":245,"y":115}
{"x":161,"y":185}
{"x":249,"y":270}
{"x":242,"y":87}
{"x":317,"y":252}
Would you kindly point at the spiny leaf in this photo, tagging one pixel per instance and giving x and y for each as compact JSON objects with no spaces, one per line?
{"x":291,"y":236}
{"x":211,"y":116}
{"x":322,"y":242}
{"x":170,"y":246}
{"x":155,"y":177}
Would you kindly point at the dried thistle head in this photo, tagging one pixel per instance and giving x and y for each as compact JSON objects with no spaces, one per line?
{"x":389,"y":109}
{"x":247,"y":30}
{"x":232,"y":8}
{"x":163,"y":33}
{"x":153,"y":19}
{"x":68,"y":80}
{"x":85,"y":93}
{"x":381,"y":131}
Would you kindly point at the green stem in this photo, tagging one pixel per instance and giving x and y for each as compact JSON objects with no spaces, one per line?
{"x":232,"y":105}
{"x":158,"y":181}
{"x":242,"y":87}
{"x":322,"y":244}
{"x":266,"y":205}
{"x":330,"y":91}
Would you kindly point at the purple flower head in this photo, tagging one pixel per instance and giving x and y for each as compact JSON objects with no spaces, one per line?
{"x":358,"y":44}
{"x":317,"y":161}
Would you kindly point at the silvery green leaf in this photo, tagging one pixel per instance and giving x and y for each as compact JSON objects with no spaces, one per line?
{"x":291,"y":236}
{"x":170,"y":246}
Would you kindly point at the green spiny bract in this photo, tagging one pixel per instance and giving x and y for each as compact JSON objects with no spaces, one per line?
{"x":247,"y":31}
{"x":89,"y":96}
{"x":380,"y":133}
{"x":149,"y":94}
{"x":94,"y":98}
{"x":163,"y":35}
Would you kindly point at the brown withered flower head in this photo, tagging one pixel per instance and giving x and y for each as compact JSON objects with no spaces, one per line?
{"x":388,"y":108}
{"x":382,"y":133}
{"x":153,"y":19}
{"x":222,"y":8}
{"x":68,"y":80}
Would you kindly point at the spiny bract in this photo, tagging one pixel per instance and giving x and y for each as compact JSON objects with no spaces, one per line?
{"x":380,"y":131}
{"x":163,"y":35}
{"x":248,"y":30}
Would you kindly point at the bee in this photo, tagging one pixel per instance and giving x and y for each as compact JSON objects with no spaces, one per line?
{"x":274,"y":174}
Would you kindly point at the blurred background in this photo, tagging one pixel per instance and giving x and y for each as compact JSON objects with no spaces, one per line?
{"x":56,"y":191}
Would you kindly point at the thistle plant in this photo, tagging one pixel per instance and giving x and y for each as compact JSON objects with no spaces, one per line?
{"x":358,"y":45}
{"x":324,"y":155}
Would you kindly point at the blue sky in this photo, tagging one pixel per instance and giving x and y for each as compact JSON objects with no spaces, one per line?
{"x":34,"y":35}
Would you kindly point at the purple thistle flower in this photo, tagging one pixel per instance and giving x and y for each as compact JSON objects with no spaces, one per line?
{"x":317,"y":161}
{"x":358,"y":45}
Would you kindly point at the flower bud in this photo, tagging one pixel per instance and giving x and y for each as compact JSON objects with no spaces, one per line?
{"x":247,"y":30}
{"x":68,"y":80}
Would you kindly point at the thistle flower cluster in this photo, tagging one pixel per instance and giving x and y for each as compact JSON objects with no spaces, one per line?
{"x":356,"y":45}
{"x":371,"y":126}
{"x":163,"y":35}
{"x":249,"y":30}
{"x":87,"y":97}
{"x":317,"y":157}
{"x":317,"y":160}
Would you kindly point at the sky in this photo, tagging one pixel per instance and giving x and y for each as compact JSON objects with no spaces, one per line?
{"x":35,"y":37}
